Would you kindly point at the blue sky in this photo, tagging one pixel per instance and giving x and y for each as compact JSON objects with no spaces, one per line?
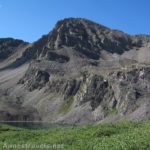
{"x":30,"y":19}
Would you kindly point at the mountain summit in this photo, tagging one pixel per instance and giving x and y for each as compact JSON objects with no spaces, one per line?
{"x":80,"y":72}
{"x":87,"y":38}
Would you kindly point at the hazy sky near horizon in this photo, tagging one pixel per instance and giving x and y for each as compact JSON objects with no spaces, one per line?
{"x":30,"y":19}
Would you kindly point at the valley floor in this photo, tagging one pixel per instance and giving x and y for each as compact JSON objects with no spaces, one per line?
{"x":112,"y":136}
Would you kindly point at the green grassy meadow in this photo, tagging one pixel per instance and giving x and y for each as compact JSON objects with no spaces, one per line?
{"x":111,"y":136}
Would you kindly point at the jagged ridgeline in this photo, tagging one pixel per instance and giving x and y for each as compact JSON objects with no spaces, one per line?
{"x":80,"y":72}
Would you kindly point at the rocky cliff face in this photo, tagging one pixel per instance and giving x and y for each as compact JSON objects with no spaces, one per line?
{"x":81,"y":72}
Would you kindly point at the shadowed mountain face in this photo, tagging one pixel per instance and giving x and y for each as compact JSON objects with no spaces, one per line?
{"x":80,"y":72}
{"x":8,"y":47}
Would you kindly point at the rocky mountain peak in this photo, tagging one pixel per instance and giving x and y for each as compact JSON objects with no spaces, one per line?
{"x":89,"y":38}
{"x":86,"y":37}
{"x":77,"y":22}
{"x":74,"y":32}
